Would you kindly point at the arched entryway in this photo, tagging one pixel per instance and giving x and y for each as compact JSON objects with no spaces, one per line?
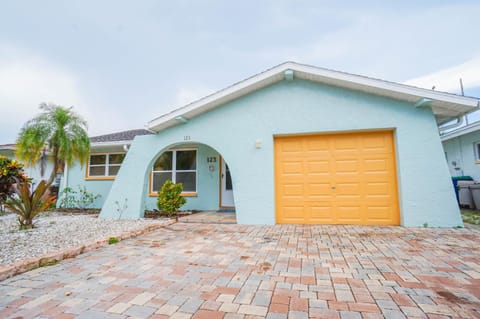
{"x":207,"y":179}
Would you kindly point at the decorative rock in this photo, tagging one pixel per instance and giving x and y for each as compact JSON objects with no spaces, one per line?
{"x":67,"y":237}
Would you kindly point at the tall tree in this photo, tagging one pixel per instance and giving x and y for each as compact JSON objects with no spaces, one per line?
{"x":59,"y":130}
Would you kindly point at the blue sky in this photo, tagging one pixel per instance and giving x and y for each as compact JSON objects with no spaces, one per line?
{"x":123,"y":63}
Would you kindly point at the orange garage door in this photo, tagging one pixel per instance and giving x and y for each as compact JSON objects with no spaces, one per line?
{"x":347,"y":178}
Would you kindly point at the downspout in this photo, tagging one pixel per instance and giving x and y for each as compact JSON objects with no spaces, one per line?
{"x":65,"y":176}
{"x":64,"y":181}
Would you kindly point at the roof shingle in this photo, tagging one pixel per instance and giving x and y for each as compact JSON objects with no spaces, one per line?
{"x":119,"y":136}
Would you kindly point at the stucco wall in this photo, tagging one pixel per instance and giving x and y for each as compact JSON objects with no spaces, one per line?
{"x":76,"y":178}
{"x":461,"y":151}
{"x":76,"y":173}
{"x":207,"y":181}
{"x":297,"y":107}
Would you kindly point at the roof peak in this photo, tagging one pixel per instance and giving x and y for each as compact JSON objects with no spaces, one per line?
{"x":445,"y":105}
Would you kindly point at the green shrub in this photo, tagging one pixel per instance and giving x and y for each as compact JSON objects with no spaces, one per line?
{"x":113,"y":240}
{"x":170,"y":198}
{"x":68,"y":198}
{"x":81,"y":199}
{"x":27,"y":204}
{"x":9,"y":171}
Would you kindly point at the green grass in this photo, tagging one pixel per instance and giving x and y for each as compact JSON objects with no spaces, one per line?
{"x":471,"y":216}
{"x":113,"y":240}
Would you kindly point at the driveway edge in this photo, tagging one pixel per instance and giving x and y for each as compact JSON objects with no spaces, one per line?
{"x":52,"y":258}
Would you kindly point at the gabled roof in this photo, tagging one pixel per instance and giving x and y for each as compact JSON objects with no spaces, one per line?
{"x":445,"y":106}
{"x":461,"y":131}
{"x":118,"y":137}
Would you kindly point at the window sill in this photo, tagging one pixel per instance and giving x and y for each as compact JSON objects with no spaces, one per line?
{"x":183,"y":194}
{"x":99,"y":178}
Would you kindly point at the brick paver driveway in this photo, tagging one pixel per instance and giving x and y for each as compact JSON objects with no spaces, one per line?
{"x":235,"y":271}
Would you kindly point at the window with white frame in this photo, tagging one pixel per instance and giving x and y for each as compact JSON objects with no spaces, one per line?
{"x":476,"y":151}
{"x":104,"y":165}
{"x":179,"y":166}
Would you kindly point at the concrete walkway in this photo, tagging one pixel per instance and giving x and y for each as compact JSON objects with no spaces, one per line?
{"x":234,"y":271}
{"x":210,"y":217}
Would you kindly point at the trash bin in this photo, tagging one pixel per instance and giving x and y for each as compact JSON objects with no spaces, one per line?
{"x":465,"y":198}
{"x":455,"y":180}
{"x":475,"y":189}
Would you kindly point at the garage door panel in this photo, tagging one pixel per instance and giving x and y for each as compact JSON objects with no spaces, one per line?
{"x":341,"y":143}
{"x":292,"y":168}
{"x":380,"y":164}
{"x":317,"y":145}
{"x":348,"y":188}
{"x":321,"y":167}
{"x":346,"y":166}
{"x":348,"y":214}
{"x":293,"y":189}
{"x":336,"y":179}
{"x":321,"y":214}
{"x":379,"y":188}
{"x":379,"y":213}
{"x":291,"y":146}
{"x":294,"y":213}
{"x":319,"y":189}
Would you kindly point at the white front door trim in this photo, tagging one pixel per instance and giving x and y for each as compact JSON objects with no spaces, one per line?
{"x":226,"y":187}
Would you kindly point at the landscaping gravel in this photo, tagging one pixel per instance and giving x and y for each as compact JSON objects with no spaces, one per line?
{"x":54,"y":232}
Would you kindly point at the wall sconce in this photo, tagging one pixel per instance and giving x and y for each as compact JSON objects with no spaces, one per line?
{"x":258,"y":144}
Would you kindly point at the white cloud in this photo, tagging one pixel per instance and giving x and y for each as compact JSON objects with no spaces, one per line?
{"x":448,"y":80}
{"x":186,"y":95}
{"x":26,"y":80}
{"x":396,"y":43}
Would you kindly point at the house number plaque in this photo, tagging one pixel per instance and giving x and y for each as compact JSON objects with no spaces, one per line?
{"x":212,"y":159}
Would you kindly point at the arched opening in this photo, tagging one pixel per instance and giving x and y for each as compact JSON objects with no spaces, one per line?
{"x":206,"y":178}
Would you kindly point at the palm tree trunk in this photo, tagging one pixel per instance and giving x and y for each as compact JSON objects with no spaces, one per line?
{"x":55,"y":167}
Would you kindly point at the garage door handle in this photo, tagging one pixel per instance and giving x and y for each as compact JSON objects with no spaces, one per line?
{"x":334,"y":187}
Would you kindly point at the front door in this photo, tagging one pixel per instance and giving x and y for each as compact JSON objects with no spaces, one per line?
{"x":226,"y":189}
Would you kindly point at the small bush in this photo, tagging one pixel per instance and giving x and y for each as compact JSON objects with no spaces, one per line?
{"x":10,"y":171}
{"x":113,"y":240}
{"x":27,"y":204}
{"x":82,"y":199}
{"x":170,"y":198}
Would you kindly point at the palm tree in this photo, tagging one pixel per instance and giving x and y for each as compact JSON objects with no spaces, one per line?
{"x":58,"y":129}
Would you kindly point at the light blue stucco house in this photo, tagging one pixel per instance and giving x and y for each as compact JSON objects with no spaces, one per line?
{"x":294,"y":144}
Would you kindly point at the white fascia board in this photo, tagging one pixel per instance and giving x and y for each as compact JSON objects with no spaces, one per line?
{"x":461,"y":131}
{"x":458,"y":104}
{"x":196,"y":106}
{"x":388,"y":86}
{"x":114,"y":143}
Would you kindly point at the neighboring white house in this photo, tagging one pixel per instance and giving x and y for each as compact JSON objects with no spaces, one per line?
{"x":462,"y":151}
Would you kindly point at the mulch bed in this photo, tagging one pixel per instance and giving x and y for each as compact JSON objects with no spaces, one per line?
{"x":153,"y":214}
{"x":157,"y":213}
{"x":78,"y":211}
